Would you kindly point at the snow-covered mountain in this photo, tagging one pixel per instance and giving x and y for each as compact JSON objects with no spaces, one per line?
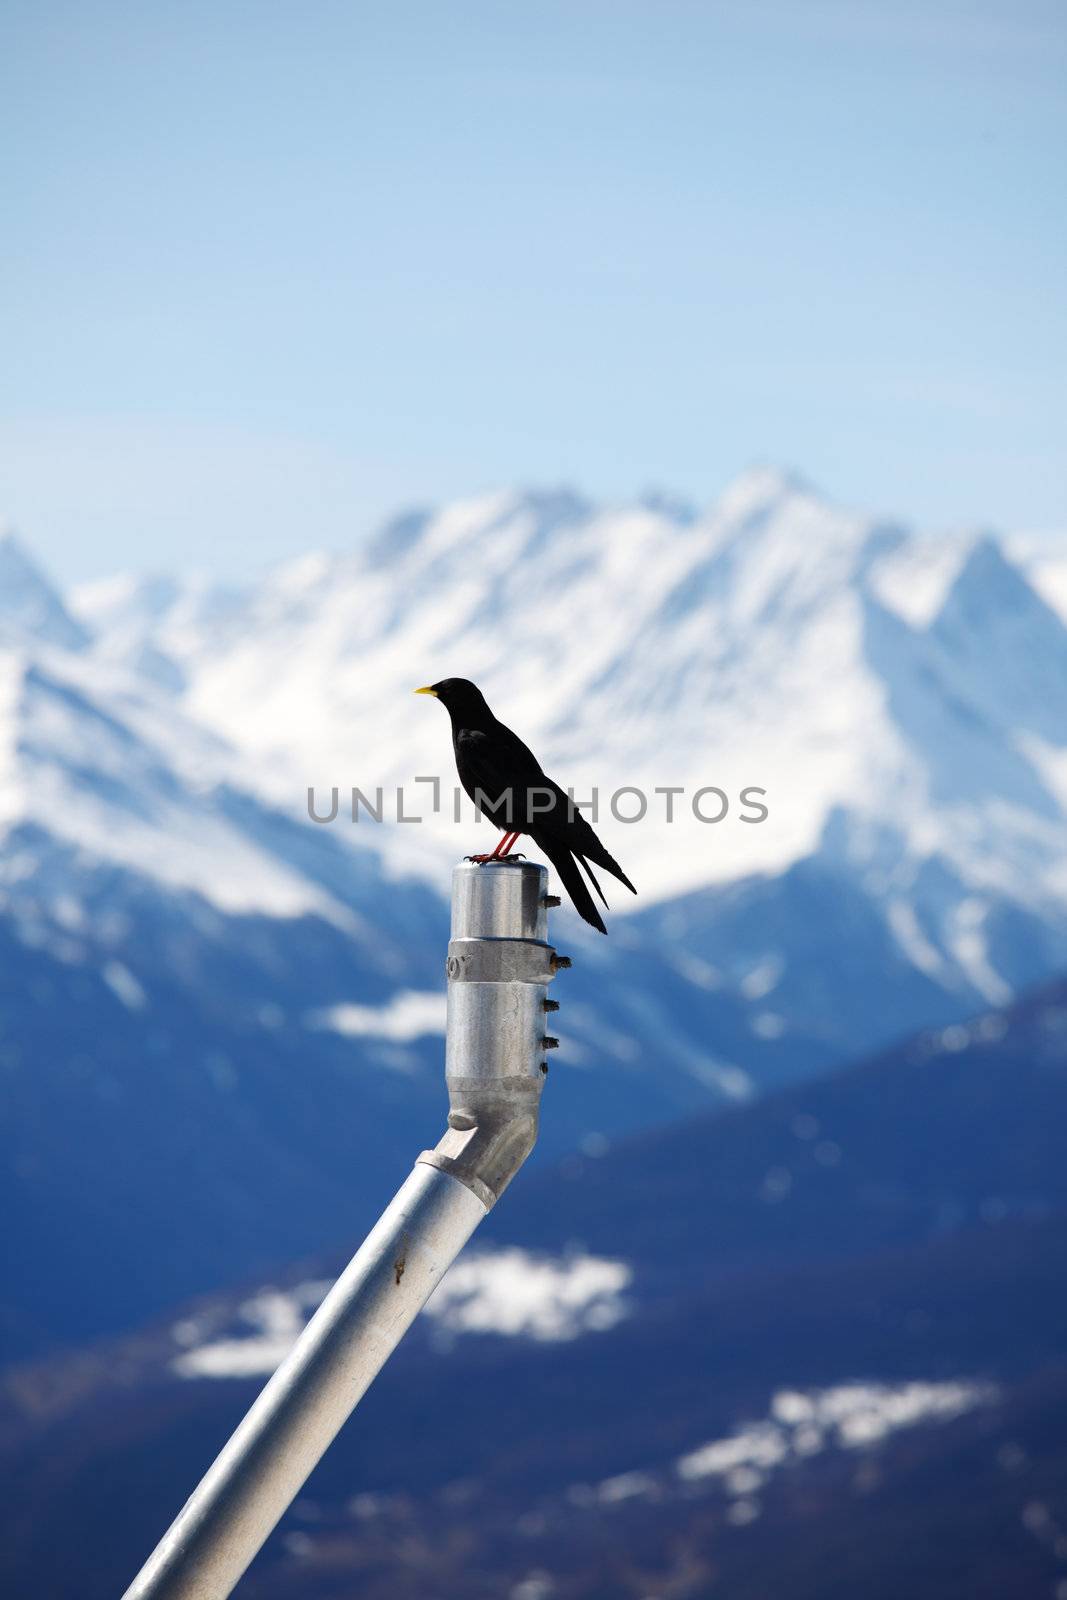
{"x":29,"y":606}
{"x":204,"y":994}
{"x":898,"y":696}
{"x":221,"y":1027}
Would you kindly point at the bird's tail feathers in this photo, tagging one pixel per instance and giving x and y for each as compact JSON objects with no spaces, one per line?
{"x":592,"y":879}
{"x":584,"y":842}
{"x":608,"y":864}
{"x":587,"y":844}
{"x":571,"y":879}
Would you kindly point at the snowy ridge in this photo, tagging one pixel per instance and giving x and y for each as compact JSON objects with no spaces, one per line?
{"x":204,"y":991}
{"x":102,"y":772}
{"x":895,"y":694}
{"x":30,"y":609}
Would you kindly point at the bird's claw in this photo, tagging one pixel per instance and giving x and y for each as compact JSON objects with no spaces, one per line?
{"x":513,"y":855}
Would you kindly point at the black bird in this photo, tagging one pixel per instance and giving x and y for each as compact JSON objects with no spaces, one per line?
{"x":504,"y":779}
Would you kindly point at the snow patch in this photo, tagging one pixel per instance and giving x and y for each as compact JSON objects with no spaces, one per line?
{"x":801,"y":1423}
{"x":850,"y":1415}
{"x":537,"y":1297}
{"x":122,"y":983}
{"x":275,"y":1317}
{"x":408,"y":1015}
{"x":510,"y":1292}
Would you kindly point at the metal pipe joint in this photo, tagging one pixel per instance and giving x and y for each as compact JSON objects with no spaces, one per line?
{"x":499,"y":967}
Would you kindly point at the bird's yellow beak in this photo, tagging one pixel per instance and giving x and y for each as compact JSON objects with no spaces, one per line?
{"x":427,"y":690}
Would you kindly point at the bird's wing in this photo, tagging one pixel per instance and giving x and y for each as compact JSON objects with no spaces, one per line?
{"x":497,"y":767}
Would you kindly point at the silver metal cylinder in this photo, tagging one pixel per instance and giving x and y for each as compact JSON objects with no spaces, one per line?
{"x":499,"y":967}
{"x":499,"y":900}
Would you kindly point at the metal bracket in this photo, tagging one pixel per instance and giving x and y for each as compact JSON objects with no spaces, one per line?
{"x":499,"y":961}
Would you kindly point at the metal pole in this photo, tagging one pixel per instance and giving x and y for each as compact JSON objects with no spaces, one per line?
{"x":499,"y":968}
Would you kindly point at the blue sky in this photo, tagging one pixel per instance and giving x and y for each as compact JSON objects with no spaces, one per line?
{"x":272,"y":270}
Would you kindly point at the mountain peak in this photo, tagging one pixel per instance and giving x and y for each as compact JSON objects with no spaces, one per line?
{"x":760,"y":486}
{"x":674,"y":507}
{"x":1006,"y":642}
{"x":29,"y":607}
{"x":987,"y":585}
{"x":559,"y":501}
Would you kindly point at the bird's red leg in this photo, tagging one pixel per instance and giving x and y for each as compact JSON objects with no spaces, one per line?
{"x":502,"y":850}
